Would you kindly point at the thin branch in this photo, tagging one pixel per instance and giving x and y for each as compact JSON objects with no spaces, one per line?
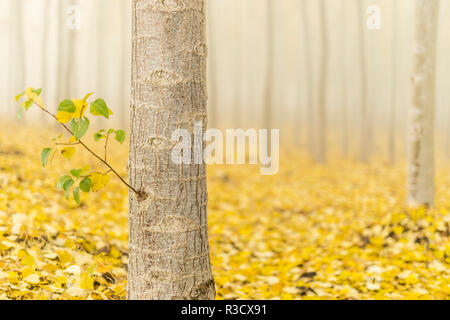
{"x":106,"y":144}
{"x":89,"y":149}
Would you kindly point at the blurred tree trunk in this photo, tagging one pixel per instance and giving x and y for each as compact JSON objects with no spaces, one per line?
{"x":169,"y":253}
{"x":268,"y":121}
{"x":364,"y":134}
{"x":322,"y":98}
{"x":62,"y":30}
{"x":238,"y":47}
{"x":392,"y":128}
{"x":344,"y":81}
{"x":212,"y":54}
{"x":17,"y":49}
{"x":308,"y":76}
{"x":71,"y":67}
{"x":44,"y":116}
{"x":420,"y":185}
{"x":123,"y":83}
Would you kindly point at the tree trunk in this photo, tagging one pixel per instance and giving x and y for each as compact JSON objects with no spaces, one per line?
{"x":268,"y":122}
{"x":169,"y":252}
{"x":309,"y":80}
{"x":212,"y":54}
{"x":344,"y":81}
{"x":238,"y":70}
{"x":364,"y":134}
{"x":321,"y":105}
{"x":420,"y":185}
{"x":123,"y":83}
{"x":70,"y":89}
{"x":44,"y":78}
{"x":392,"y":119}
{"x":17,"y":49}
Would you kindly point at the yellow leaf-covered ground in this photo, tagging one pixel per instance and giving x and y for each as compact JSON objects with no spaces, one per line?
{"x":311,"y":232}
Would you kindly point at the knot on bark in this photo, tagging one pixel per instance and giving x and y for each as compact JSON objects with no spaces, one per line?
{"x":163,"y":78}
{"x":204,"y":291}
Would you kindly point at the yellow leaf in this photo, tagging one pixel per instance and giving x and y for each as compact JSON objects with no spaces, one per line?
{"x":98,"y":181}
{"x":64,"y":116}
{"x":68,"y":152}
{"x":34,"y":97}
{"x":32,"y":279}
{"x":86,"y":282}
{"x":28,"y":261}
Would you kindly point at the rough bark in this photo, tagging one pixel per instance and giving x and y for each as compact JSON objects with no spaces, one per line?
{"x":420,"y":184}
{"x":169,"y":253}
{"x":321,"y":105}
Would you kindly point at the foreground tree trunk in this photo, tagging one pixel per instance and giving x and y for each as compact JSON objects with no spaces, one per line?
{"x":420,"y":185}
{"x":169,"y":253}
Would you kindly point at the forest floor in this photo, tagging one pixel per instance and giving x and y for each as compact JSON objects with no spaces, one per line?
{"x":310,"y":232}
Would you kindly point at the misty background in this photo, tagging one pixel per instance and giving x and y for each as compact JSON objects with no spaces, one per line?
{"x":39,"y":50}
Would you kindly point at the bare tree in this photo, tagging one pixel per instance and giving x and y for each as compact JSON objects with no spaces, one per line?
{"x":420,"y":184}
{"x":169,"y":253}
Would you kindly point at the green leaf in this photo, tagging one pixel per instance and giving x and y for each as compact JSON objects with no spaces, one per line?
{"x":66,"y":187}
{"x":19,"y":114}
{"x":44,"y":156}
{"x":76,"y":172}
{"x":37,"y":91}
{"x":62,"y":180}
{"x":98,"y":107}
{"x":76,"y":195}
{"x":28,"y":104}
{"x":85,"y":185}
{"x":110,"y":131}
{"x":19,"y":96}
{"x":98,"y":136}
{"x":79,"y":127}
{"x":67,"y":106}
{"x":120,"y":136}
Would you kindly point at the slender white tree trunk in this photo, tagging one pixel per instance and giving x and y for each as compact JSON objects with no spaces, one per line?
{"x":392,"y":119}
{"x":321,"y":105}
{"x":44,"y":74}
{"x":308,"y":77}
{"x":212,"y":54}
{"x":17,"y":49}
{"x":344,"y":142}
{"x":420,"y":184}
{"x":169,"y":253}
{"x":268,"y":122}
{"x":364,"y":125}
